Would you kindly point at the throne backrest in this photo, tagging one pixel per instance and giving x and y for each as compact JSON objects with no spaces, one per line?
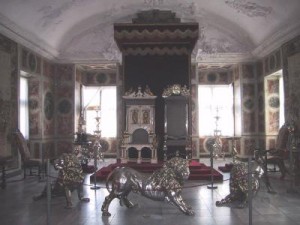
{"x":176,"y":117}
{"x":140,"y":136}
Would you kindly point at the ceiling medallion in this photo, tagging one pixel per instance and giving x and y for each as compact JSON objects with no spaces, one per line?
{"x":250,"y":9}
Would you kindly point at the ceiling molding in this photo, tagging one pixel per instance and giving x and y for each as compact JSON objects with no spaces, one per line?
{"x":12,"y":31}
{"x":277,"y":40}
{"x":224,"y":58}
{"x":87,"y":61}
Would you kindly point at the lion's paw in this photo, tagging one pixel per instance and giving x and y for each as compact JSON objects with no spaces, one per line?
{"x":85,"y":199}
{"x":68,"y":206}
{"x":190,"y":212}
{"x":106,"y":214}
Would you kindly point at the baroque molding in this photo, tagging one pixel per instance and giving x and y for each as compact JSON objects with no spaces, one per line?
{"x":277,"y":40}
{"x":221,"y":58}
{"x":139,"y":94}
{"x":176,"y":89}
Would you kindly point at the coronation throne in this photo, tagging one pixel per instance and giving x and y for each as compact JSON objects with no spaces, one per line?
{"x":177,"y":141}
{"x":139,"y":142}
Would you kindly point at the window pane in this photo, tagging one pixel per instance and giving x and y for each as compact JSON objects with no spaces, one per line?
{"x":281,"y":101}
{"x":215,"y":109}
{"x":93,"y":97}
{"x":23,"y":116}
{"x":109,"y":112}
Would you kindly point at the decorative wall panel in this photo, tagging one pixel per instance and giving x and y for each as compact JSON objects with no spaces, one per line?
{"x":8,"y":97}
{"x":100,"y":77}
{"x":249,"y":106}
{"x":294,"y":90}
{"x":30,"y":62}
{"x":48,"y":112}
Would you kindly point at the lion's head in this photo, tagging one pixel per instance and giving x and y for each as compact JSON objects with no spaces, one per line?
{"x":70,"y":170}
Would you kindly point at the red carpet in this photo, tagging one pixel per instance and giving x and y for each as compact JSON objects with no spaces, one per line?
{"x":199,"y":171}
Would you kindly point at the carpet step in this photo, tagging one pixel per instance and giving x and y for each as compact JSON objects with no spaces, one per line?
{"x":198,"y":171}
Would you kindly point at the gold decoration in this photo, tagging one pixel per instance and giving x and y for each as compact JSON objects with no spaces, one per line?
{"x":176,"y":89}
{"x":147,"y":93}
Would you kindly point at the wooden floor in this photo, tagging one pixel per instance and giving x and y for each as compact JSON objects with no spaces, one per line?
{"x":18,"y":208}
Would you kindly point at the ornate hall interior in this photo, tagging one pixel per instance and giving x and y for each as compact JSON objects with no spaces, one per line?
{"x":137,"y":83}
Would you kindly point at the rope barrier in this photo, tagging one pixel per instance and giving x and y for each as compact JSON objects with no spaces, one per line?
{"x":184,"y":187}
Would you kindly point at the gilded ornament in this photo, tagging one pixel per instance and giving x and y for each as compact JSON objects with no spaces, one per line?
{"x":176,"y":89}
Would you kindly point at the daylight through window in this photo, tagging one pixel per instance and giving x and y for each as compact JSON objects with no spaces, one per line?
{"x":215,"y":101}
{"x":100,"y":101}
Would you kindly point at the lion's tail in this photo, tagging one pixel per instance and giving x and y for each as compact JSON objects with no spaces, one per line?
{"x":108,"y":179}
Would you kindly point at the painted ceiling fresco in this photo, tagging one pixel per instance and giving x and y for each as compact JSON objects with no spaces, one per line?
{"x":82,"y":30}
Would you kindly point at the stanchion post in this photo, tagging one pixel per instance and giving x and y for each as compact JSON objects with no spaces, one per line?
{"x":211,"y":186}
{"x":96,"y":147}
{"x":48,"y":194}
{"x":250,"y":190}
{"x":293,"y":157}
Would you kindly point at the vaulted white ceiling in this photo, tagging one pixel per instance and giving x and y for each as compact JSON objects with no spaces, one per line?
{"x":82,"y":30}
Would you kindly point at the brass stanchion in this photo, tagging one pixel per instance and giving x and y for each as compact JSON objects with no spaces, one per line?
{"x":96,"y":148}
{"x":48,"y":194}
{"x":250,"y":190}
{"x":211,"y":186}
{"x":293,"y":158}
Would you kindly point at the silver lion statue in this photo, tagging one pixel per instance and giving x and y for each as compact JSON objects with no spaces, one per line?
{"x":164,"y":184}
{"x":70,"y":177}
{"x":238,"y":183}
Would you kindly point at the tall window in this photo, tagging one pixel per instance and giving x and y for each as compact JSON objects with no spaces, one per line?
{"x":281,"y":100}
{"x":215,"y":101}
{"x":23,"y":105}
{"x":102,"y":102}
